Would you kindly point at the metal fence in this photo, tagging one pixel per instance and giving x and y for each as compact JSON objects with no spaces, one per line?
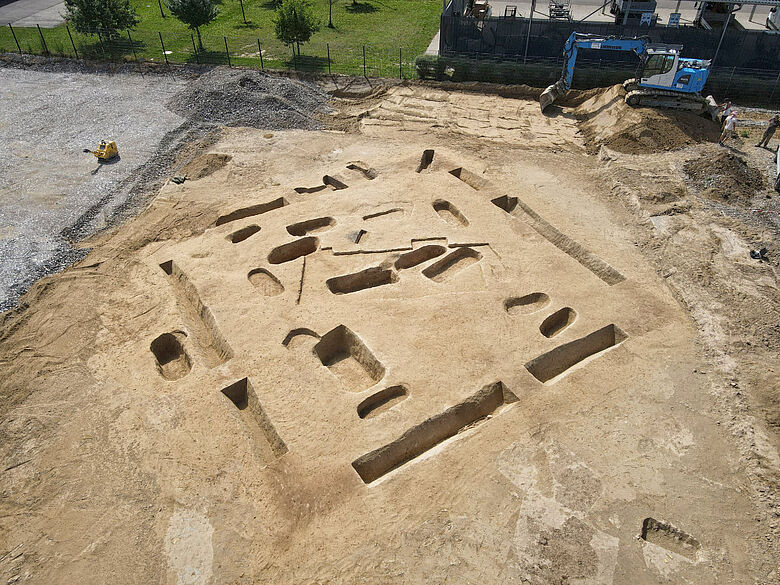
{"x":166,"y":48}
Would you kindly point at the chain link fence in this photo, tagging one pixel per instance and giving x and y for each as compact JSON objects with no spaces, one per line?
{"x":157,"y":47}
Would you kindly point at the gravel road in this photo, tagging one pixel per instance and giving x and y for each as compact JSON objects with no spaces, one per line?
{"x":47,"y":183}
{"x":53,"y":194}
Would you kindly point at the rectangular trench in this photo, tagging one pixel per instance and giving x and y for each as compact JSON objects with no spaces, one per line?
{"x":199,"y":318}
{"x":564,"y":357}
{"x":429,"y":433}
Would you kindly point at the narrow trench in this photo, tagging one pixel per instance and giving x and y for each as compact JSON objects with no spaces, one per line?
{"x":422,"y":437}
{"x":357,"y":281}
{"x":293,"y":250}
{"x":199,"y":318}
{"x":266,"y":439}
{"x":382,"y":401}
{"x":250,"y":211}
{"x":555,"y":362}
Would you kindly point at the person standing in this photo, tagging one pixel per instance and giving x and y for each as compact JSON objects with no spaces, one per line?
{"x":729,"y":128}
{"x":774,"y":122}
{"x":725,"y":109}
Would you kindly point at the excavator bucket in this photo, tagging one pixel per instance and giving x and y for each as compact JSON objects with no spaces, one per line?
{"x":553,"y":93}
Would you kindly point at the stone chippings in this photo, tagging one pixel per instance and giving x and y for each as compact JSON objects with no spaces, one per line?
{"x":251,"y":98}
{"x":152,"y":117}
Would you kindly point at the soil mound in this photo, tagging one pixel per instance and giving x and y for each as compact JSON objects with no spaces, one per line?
{"x":725,"y":176}
{"x":606,"y":120}
{"x":251,"y":98}
{"x":205,"y":165}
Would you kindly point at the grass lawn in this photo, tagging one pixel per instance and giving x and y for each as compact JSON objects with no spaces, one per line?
{"x":382,"y":26}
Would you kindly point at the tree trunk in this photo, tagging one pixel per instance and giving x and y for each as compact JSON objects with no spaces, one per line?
{"x":200,"y":42}
{"x":330,"y":13}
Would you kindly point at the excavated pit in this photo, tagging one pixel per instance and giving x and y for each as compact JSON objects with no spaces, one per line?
{"x":293,"y":250}
{"x":265,"y":282}
{"x":420,"y":438}
{"x":172,"y":359}
{"x":419,"y":256}
{"x":449,"y":213}
{"x":251,"y":211}
{"x":669,"y":537}
{"x":266,"y":440}
{"x":452,"y":263}
{"x":557,"y":322}
{"x":349,"y":359}
{"x":382,"y":401}
{"x":242,"y":234}
{"x":311,"y":226}
{"x":526,"y":304}
{"x":368,"y":278}
{"x":555,"y":362}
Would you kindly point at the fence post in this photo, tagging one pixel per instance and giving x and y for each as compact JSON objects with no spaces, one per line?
{"x":625,"y":14}
{"x":775,"y":87}
{"x":364,"y":62}
{"x":227,"y":52}
{"x":70,"y":36}
{"x":400,"y":64}
{"x":102,"y":46}
{"x":43,"y":41}
{"x":15,"y":40}
{"x":260,"y":52}
{"x":195,"y":49}
{"x":528,"y":34}
{"x":295,"y":63}
{"x":159,"y":3}
{"x":328,"y":46}
{"x":132,"y":45}
{"x":728,"y":85}
{"x":163,"y":47}
{"x":723,"y":34}
{"x":242,"y":11}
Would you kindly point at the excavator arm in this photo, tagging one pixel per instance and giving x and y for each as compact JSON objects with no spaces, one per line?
{"x":578,"y":41}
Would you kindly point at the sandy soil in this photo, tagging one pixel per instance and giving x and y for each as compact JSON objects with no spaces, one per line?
{"x":447,"y":345}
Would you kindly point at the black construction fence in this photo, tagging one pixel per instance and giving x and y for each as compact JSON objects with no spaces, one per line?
{"x":511,"y":38}
{"x":757,"y":87}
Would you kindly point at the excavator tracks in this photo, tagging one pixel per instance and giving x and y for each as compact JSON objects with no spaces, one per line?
{"x":659,"y":98}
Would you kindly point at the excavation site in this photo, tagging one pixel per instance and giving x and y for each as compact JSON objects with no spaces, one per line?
{"x":420,"y":334}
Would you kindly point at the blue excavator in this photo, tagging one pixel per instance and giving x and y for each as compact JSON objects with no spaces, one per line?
{"x":664,"y":78}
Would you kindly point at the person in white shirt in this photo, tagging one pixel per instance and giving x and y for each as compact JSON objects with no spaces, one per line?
{"x":725,"y":110}
{"x":729,"y":128}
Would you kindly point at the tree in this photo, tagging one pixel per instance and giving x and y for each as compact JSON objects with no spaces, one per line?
{"x":96,"y":16}
{"x":295,"y":22}
{"x":194,"y":13}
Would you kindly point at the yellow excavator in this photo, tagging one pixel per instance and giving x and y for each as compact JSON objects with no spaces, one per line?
{"x":106,"y":150}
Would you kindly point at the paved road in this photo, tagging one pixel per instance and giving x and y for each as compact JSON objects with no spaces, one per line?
{"x":46,"y":13}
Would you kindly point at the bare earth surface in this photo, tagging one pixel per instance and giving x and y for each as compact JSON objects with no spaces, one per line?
{"x":442,"y":344}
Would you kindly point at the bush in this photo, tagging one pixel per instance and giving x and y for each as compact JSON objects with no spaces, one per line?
{"x":96,"y":16}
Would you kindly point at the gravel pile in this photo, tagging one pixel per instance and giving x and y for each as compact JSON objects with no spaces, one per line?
{"x":725,"y":177}
{"x":250,"y":98}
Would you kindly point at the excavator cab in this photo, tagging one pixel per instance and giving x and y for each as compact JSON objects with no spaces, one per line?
{"x":662,"y":68}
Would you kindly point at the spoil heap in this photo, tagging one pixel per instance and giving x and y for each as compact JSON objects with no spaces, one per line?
{"x":725,"y":176}
{"x":606,"y":120}
{"x":251,"y":98}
